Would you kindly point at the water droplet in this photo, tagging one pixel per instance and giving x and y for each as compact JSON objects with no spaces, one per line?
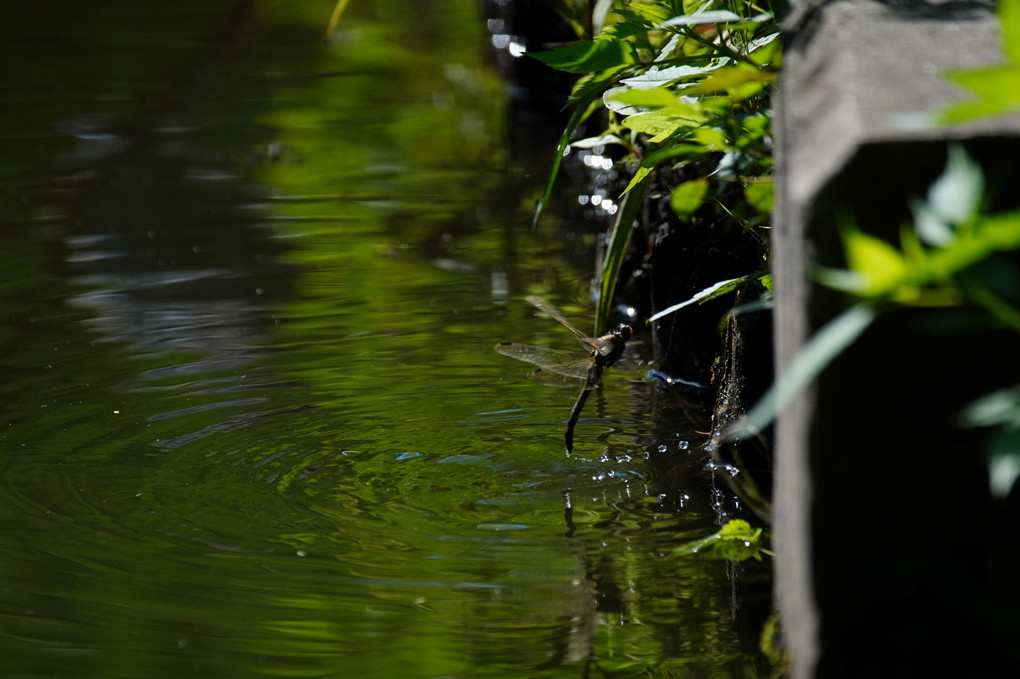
{"x":663,"y":448}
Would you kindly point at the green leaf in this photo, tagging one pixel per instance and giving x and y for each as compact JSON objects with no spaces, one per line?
{"x":638,"y":177}
{"x":953,"y":200}
{"x":997,"y":88}
{"x":1009,"y":19}
{"x":580,"y":113}
{"x":930,"y":226}
{"x":736,"y":541}
{"x":879,"y":266}
{"x":759,"y":194}
{"x":656,"y":77}
{"x":1001,"y":407}
{"x":1004,"y":462}
{"x":956,"y":194}
{"x":655,"y":97}
{"x":672,"y":116}
{"x":637,"y":18}
{"x":334,"y":19}
{"x":710,"y":139}
{"x":648,"y":16}
{"x":592,"y":142}
{"x":592,"y":85}
{"x":688,"y":151}
{"x":719,"y":16}
{"x":932,"y":276}
{"x":765,"y":51}
{"x":738,"y":529}
{"x":712,"y":292}
{"x":659,"y":125}
{"x":589,"y":57}
{"x":616,"y":251}
{"x":687,"y":197}
{"x":1000,"y":309}
{"x":740,"y":81}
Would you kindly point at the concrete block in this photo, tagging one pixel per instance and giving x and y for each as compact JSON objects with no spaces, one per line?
{"x":882,"y":514}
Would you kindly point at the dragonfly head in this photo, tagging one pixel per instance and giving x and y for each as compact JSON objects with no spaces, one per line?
{"x":623,"y":331}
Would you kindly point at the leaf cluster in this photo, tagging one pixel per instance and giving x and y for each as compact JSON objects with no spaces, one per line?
{"x":949,"y":255}
{"x":685,"y":89}
{"x":937,"y":262}
{"x":680,"y":88}
{"x":996,"y":89}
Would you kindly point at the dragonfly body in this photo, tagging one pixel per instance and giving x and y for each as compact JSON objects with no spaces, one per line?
{"x":602,"y":352}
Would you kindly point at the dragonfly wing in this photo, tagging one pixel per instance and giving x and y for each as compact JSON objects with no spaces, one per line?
{"x":548,"y":308}
{"x":566,"y":363}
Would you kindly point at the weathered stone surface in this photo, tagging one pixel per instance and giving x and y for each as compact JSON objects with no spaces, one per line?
{"x":881,"y":503}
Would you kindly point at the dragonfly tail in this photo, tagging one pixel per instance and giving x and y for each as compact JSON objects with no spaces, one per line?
{"x":575,"y":413}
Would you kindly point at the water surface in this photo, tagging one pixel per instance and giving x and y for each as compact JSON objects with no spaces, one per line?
{"x":251,"y":421}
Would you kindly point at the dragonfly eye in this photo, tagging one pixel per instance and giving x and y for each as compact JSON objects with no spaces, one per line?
{"x":624,"y":331}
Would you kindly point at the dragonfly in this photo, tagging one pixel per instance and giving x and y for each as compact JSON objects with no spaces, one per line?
{"x":602,"y":352}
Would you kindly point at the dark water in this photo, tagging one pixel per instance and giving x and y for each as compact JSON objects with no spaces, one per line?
{"x":251,"y":422}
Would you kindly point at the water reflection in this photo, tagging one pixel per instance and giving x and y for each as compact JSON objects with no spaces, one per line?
{"x":251,"y":421}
